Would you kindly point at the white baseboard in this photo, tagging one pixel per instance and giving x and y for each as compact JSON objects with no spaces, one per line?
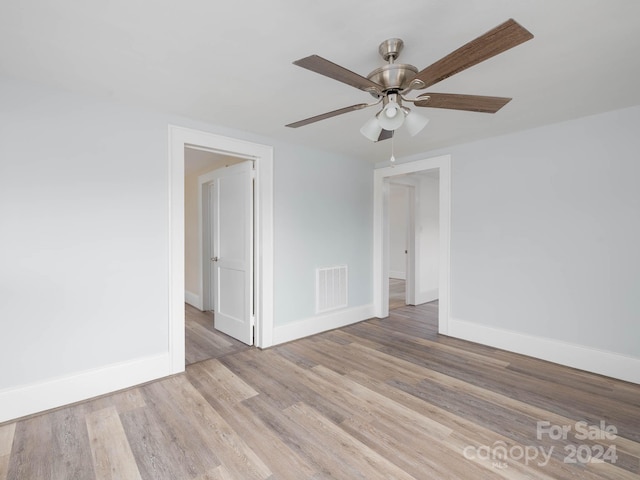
{"x":321,"y":323}
{"x":590,"y":359}
{"x":27,"y":400}
{"x":427,"y":296}
{"x":398,"y":275}
{"x":193,"y":300}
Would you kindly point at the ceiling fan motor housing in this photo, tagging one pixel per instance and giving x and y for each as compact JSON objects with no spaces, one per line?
{"x":393,"y":77}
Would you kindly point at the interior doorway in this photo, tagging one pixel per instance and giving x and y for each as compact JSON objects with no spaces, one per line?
{"x":399,"y":225}
{"x":418,"y":292}
{"x":204,"y":337}
{"x":414,"y":244}
{"x":198,"y":162}
{"x":179,"y":139}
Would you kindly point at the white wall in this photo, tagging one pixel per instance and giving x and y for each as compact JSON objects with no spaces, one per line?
{"x":545,"y":235}
{"x":323,"y":217}
{"x":398,"y":219}
{"x":84,"y":203}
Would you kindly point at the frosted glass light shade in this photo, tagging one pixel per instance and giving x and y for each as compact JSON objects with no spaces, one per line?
{"x":391,"y":117}
{"x":415,"y":122}
{"x":371,"y":129}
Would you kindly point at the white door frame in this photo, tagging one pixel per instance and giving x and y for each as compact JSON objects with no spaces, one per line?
{"x":381,"y":234}
{"x":179,"y":138}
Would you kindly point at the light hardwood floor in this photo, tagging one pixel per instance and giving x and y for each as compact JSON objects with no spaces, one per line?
{"x":202,"y":341}
{"x":396,"y":293}
{"x":380,"y":399}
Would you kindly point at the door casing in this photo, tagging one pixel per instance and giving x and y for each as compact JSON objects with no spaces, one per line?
{"x":381,"y":234}
{"x":179,"y":138}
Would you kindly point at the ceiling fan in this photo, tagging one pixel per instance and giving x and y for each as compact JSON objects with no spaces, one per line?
{"x":391,"y":83}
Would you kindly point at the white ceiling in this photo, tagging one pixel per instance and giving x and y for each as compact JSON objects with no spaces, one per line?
{"x":229,"y":62}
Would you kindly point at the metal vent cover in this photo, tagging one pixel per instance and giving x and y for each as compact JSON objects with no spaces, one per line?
{"x":331,"y":288}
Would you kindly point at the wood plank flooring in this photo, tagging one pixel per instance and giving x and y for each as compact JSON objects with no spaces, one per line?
{"x":202,"y":341}
{"x":382,"y":399}
{"x":396,"y":293}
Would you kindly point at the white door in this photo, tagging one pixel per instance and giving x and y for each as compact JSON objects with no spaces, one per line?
{"x":231,"y":200}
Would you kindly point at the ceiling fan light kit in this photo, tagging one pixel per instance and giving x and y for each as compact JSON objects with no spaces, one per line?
{"x":391,"y":83}
{"x":414,"y":123}
{"x":391,"y":116}
{"x":371,"y":129}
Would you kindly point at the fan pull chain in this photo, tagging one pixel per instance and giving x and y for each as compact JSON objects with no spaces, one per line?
{"x":393,"y":158}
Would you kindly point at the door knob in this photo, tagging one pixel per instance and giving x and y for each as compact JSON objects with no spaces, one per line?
{"x":214,"y":259}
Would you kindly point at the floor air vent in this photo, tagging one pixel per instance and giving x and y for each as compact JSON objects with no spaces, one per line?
{"x":331,"y":288}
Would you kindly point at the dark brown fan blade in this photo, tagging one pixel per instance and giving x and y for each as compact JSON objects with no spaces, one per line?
{"x":329,"y":69}
{"x":385,"y":135}
{"x":500,"y":39}
{"x":334,"y":113}
{"x":453,"y":101}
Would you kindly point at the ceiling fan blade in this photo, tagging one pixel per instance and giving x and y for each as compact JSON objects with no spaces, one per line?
{"x":323,"y":116}
{"x":454,"y":101}
{"x":385,"y":135}
{"x":329,"y":69}
{"x":500,"y":39}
